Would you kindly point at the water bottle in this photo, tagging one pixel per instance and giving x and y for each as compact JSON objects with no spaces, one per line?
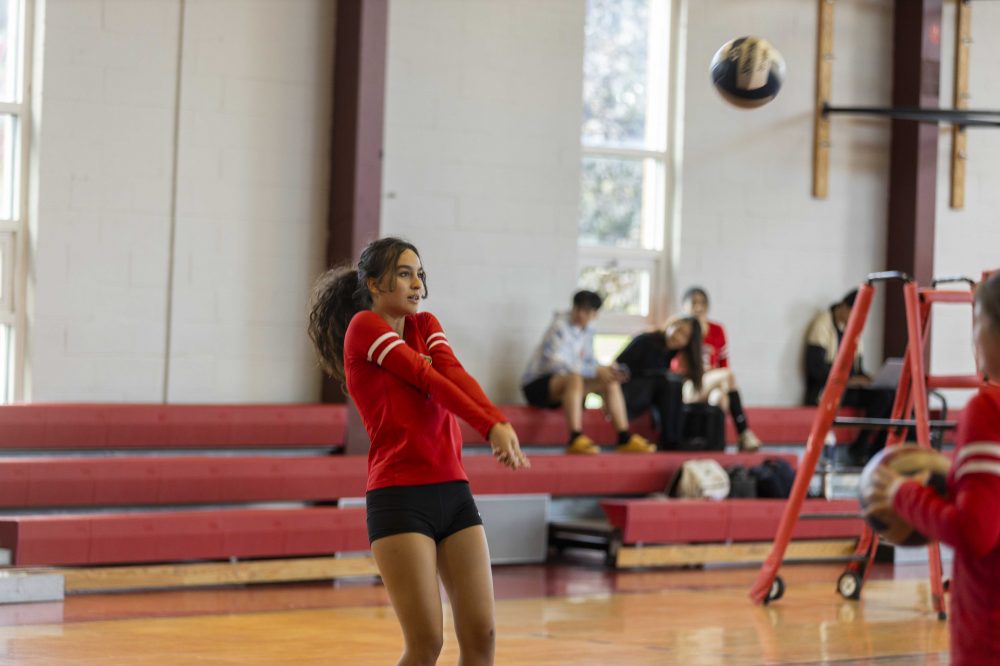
{"x":830,"y":448}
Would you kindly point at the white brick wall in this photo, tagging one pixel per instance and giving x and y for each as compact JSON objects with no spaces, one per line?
{"x":747,"y":209}
{"x":253,"y":164}
{"x":251,"y":202}
{"x":482,"y":165}
{"x":98,"y":288}
{"x":481,"y":172}
{"x":466,"y":172}
{"x":967,"y":241}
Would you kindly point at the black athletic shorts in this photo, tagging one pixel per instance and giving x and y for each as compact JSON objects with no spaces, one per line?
{"x":437,"y":510}
{"x":537,"y":393}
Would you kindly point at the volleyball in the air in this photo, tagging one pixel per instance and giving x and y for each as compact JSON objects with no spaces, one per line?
{"x":748,"y":72}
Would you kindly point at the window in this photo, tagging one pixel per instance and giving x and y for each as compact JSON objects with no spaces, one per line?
{"x":624,"y":152}
{"x":14,"y":122}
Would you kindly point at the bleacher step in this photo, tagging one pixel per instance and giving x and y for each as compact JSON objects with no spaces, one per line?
{"x":203,"y":574}
{"x":819,"y":550}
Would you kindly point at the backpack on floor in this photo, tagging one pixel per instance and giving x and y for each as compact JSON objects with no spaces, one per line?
{"x":700,"y":479}
{"x":742,"y":484}
{"x":704,"y":428}
{"x":774,"y":478}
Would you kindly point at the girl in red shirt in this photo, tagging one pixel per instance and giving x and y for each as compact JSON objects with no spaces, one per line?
{"x":718,"y":384}
{"x":408,"y":386}
{"x":967,"y":518}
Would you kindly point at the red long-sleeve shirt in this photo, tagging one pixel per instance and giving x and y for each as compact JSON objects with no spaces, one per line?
{"x":408,"y":403}
{"x":969,"y":520}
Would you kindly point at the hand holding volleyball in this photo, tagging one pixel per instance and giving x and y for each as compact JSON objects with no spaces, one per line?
{"x":881,"y":477}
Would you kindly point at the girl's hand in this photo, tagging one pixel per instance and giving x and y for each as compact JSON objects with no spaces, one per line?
{"x":885,"y":482}
{"x":506,"y":447}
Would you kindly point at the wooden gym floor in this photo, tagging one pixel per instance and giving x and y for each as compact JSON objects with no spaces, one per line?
{"x":578,"y":614}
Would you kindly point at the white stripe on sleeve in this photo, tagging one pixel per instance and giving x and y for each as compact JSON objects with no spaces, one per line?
{"x":386,"y":350}
{"x":382,"y":338}
{"x":439,"y":334}
{"x":977,"y":467}
{"x":981,"y":448}
{"x":436,"y":343}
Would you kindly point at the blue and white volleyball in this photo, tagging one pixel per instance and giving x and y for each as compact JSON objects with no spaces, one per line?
{"x":748,"y":72}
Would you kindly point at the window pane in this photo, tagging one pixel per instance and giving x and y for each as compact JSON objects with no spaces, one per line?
{"x":625,"y":290}
{"x":10,"y":25}
{"x":8,"y":139}
{"x":607,"y":346}
{"x":621,"y":202}
{"x":615,"y":73}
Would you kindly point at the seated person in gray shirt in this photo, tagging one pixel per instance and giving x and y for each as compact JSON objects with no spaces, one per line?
{"x":563,"y":370}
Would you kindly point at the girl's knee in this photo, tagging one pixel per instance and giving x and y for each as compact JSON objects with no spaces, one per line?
{"x":574,"y":385}
{"x":478,"y":643}
{"x":727,"y":381}
{"x":424,"y":647}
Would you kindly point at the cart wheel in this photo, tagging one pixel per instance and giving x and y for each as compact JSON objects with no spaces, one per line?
{"x":777,"y":590}
{"x":946,"y":584}
{"x":849,"y":585}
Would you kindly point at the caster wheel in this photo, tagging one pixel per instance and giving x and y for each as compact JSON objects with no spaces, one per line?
{"x":946,"y":584}
{"x":777,"y":590}
{"x":849,"y":585}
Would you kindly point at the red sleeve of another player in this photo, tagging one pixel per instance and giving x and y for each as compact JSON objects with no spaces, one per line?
{"x":969,"y":519}
{"x":370,"y":339}
{"x":445,"y":362}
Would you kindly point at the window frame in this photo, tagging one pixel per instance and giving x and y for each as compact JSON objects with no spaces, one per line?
{"x":14,"y":231}
{"x":663,"y":73}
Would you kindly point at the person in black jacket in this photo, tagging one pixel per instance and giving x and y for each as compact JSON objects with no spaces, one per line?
{"x":826,"y":331}
{"x":650,"y":385}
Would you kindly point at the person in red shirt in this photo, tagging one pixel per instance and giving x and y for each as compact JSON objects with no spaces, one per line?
{"x":718,"y":383}
{"x":967,"y":518}
{"x":408,"y":386}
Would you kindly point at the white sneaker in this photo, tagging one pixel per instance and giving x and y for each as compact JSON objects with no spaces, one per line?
{"x":749,"y":441}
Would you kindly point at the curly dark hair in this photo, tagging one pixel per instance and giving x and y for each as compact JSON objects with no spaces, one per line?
{"x":342,"y":292}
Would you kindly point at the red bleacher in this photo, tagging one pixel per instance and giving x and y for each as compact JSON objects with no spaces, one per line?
{"x":773,"y":425}
{"x":149,"y":481}
{"x":125,"y":426}
{"x":150,"y":504}
{"x":700,"y":521}
{"x":178,"y":536}
{"x":155,"y":480}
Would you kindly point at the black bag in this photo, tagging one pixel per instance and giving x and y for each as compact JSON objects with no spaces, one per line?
{"x":774,"y":478}
{"x":742,"y":483}
{"x":704,"y":428}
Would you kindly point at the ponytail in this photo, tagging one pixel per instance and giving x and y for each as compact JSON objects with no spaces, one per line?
{"x":342,"y":292}
{"x":337,"y":296}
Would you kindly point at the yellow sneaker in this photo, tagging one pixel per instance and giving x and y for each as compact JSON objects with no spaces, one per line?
{"x":583,"y":445}
{"x":636,"y":444}
{"x":749,"y":441}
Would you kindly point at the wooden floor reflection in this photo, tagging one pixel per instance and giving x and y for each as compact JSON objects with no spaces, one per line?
{"x":556,"y":614}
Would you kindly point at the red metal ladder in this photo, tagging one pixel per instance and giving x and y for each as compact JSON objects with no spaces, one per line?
{"x":911,"y":397}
